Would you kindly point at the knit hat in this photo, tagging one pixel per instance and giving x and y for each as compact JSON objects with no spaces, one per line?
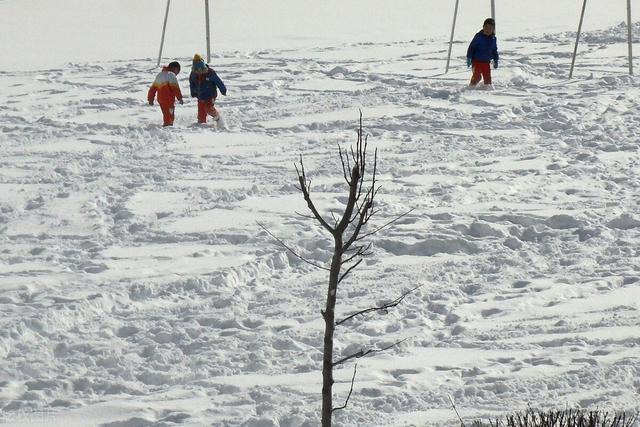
{"x":199,"y":66}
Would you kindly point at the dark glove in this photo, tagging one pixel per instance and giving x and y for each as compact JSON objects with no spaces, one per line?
{"x":181,"y":102}
{"x":495,"y":64}
{"x":150,"y":102}
{"x":468,"y":62}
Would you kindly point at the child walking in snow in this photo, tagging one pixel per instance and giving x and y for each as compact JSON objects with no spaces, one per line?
{"x":482,"y":49}
{"x":204,"y":84}
{"x":166,"y":87}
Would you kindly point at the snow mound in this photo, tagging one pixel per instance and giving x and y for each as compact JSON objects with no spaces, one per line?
{"x":624,"y":222}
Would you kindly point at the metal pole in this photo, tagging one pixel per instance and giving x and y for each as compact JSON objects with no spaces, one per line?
{"x":630,"y":37}
{"x":206,"y":7}
{"x":575,"y":50}
{"x":164,"y":28}
{"x":493,"y":9}
{"x":453,"y":29}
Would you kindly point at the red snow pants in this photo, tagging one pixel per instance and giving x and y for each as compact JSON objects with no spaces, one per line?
{"x":168,"y":113}
{"x":481,"y":69}
{"x":206,"y":108}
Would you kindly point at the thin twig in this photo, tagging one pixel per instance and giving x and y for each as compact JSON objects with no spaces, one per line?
{"x":291,"y":250}
{"x":335,"y":220}
{"x":349,"y":270}
{"x":304,"y":215}
{"x":385,"y":306}
{"x":345,"y":168}
{"x":350,"y":391}
{"x":363,"y":353}
{"x":305,"y":187}
{"x":359,"y":251}
{"x":455,"y":409}
{"x":361,"y":222}
{"x":362,"y":210}
{"x":385,"y":225}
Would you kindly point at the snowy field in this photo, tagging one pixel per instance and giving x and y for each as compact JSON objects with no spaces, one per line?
{"x":136,"y":288}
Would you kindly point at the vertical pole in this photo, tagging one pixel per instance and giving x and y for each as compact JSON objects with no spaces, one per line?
{"x":453,"y":29}
{"x":493,"y":9}
{"x":164,"y":28}
{"x":575,"y":49}
{"x":206,"y":7}
{"x":630,"y":37}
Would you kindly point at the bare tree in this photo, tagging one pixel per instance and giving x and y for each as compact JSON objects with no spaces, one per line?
{"x":348,"y":232}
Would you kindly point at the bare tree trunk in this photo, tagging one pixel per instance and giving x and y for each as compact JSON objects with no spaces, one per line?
{"x":329,"y":329}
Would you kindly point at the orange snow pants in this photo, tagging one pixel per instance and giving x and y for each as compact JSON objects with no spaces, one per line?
{"x":168,"y":113}
{"x":206,"y":108}
{"x":481,"y":69}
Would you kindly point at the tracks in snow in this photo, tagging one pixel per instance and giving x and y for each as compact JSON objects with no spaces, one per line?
{"x":131,"y":262}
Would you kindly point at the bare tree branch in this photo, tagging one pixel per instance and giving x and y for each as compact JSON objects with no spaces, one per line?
{"x":352,"y":249}
{"x":361,"y":160}
{"x":350,"y":202}
{"x":359,"y":251}
{"x":349,"y":270}
{"x":375,"y":211}
{"x":304,"y":216}
{"x":360,"y":208}
{"x":359,"y":224}
{"x":366,"y":253}
{"x":363,"y":352}
{"x":363,"y":157}
{"x":289,"y":249}
{"x":364,"y":212}
{"x":346,"y":167}
{"x":385,"y":225}
{"x":353,"y":154}
{"x":384,"y":306}
{"x":335,"y":220}
{"x":350,"y":391}
{"x":348,"y":260}
{"x":305,"y":187}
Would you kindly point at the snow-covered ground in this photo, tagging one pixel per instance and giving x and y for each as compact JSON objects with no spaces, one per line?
{"x":137,"y":289}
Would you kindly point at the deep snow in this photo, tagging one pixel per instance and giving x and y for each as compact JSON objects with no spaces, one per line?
{"x":137,"y":289}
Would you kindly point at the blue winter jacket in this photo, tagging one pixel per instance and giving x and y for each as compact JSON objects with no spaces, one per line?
{"x":483,"y":48}
{"x":204,"y":86}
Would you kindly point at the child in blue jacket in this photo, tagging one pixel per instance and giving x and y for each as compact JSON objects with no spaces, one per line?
{"x":204,"y":83}
{"x":482,"y":49}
